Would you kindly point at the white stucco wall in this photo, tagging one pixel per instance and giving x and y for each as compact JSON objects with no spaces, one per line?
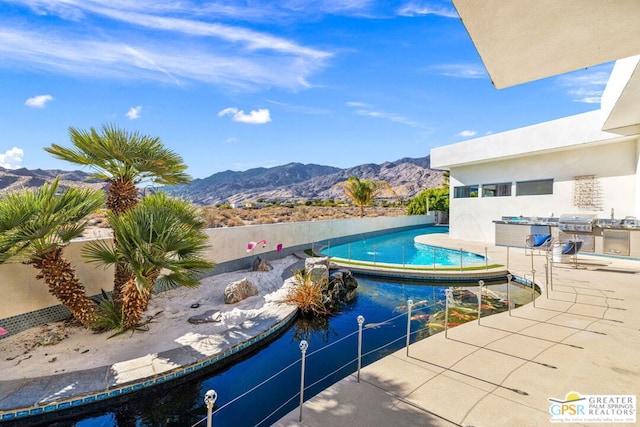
{"x":552,"y":136}
{"x":23,"y":293}
{"x":615,"y":166}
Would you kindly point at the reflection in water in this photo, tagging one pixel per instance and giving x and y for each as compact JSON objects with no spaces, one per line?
{"x":382,"y":303}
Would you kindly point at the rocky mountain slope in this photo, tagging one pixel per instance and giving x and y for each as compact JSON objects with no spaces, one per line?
{"x":291,"y":182}
{"x":296,"y":181}
{"x":17,"y":179}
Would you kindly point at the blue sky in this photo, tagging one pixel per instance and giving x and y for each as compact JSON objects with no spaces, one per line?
{"x":259,"y":83}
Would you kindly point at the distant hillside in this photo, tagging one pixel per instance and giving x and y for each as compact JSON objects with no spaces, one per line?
{"x":296,"y":181}
{"x":291,"y":182}
{"x":17,"y":179}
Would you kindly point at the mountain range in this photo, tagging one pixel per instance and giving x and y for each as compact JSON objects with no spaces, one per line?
{"x":291,"y":182}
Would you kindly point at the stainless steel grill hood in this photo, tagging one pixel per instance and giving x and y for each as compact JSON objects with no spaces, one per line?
{"x":577,"y":222}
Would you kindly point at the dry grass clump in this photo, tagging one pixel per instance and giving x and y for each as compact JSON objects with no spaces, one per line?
{"x":233,"y":217}
{"x":307,"y":295}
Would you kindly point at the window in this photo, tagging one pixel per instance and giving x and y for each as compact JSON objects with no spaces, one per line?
{"x":502,"y":189}
{"x":530,"y":188}
{"x":465,"y":192}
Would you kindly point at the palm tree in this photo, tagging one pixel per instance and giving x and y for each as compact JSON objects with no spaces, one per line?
{"x":35,"y":226}
{"x":160,"y":243}
{"x":363,"y":191}
{"x":124,"y":160}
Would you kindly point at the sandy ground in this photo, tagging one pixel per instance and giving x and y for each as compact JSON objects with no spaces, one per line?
{"x":64,"y":347}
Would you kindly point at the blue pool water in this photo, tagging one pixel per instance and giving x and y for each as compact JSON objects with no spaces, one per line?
{"x":379,"y":301}
{"x":400,"y":248}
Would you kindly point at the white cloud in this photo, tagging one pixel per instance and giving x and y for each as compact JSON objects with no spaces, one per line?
{"x":468,"y":133}
{"x":363,"y":109}
{"x":586,"y":85}
{"x":461,"y":71}
{"x":39,"y":101}
{"x":134,"y":112}
{"x":256,"y":117}
{"x":356,"y":104}
{"x":12,"y":158}
{"x":422,"y":9}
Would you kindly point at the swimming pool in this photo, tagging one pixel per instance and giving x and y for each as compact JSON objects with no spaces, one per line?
{"x":400,"y":248}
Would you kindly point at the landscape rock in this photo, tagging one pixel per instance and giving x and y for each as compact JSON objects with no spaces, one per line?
{"x":239,"y":290}
{"x":211,"y":316}
{"x":260,"y":264}
{"x":340,"y":285}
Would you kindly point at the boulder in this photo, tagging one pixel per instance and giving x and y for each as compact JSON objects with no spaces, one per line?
{"x":342,"y":285}
{"x":311,"y":261}
{"x":317,"y":269}
{"x":239,"y":290}
{"x":259,"y":264}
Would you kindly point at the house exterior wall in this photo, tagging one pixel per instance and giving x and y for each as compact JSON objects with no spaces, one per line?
{"x":615,"y":166}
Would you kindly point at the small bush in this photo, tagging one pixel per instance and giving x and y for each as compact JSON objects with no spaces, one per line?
{"x":307,"y":295}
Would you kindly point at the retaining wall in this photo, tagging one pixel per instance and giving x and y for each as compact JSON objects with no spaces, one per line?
{"x":26,"y":302}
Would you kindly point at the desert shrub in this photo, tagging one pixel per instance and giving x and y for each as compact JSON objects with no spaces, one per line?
{"x":307,"y":295}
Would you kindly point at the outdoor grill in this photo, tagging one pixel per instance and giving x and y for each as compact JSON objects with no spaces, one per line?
{"x":577,"y":222}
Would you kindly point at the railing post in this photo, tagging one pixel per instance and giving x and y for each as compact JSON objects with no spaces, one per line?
{"x":349,"y":252}
{"x":533,"y":287}
{"x":374,"y":254}
{"x":486,"y":259}
{"x":480,"y":287}
{"x":550,"y":262}
{"x":434,"y":258}
{"x":546,"y":280}
{"x":460,"y":259}
{"x":508,"y":257}
{"x":209,"y":400}
{"x":447,"y":295}
{"x":360,"y":322}
{"x":409,"y":304}
{"x":509,"y":277}
{"x":403,"y":257}
{"x":303,"y":348}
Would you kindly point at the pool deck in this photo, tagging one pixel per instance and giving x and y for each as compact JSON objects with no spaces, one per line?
{"x":582,"y":335}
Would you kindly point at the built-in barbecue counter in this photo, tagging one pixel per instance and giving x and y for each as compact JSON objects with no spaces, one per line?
{"x":619,"y":237}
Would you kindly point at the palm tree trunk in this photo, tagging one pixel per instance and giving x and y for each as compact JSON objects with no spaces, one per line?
{"x":122,"y":196}
{"x":60,"y":276}
{"x":134,"y":302}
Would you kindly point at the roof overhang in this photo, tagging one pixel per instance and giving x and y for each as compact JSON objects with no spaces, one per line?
{"x":524,"y":40}
{"x":621,"y":98}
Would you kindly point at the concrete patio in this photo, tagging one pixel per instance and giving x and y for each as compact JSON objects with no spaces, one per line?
{"x":582,"y":336}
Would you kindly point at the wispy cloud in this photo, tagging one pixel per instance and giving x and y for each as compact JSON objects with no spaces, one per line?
{"x":39,"y":101}
{"x":134,"y":112}
{"x":11,"y":159}
{"x":427,"y":8}
{"x":304,"y":109}
{"x":169,"y":42}
{"x":356,"y":104}
{"x":462,"y":71}
{"x":255,"y":117}
{"x":586,"y":85}
{"x":363,"y":109}
{"x":467,"y":133}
